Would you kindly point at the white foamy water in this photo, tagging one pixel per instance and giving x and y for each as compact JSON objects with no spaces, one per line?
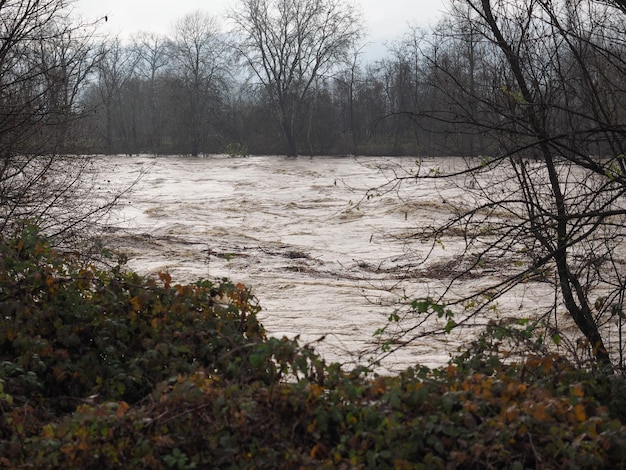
{"x":323,"y":260}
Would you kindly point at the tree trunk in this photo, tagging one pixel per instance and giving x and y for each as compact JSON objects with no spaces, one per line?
{"x":574,"y":298}
{"x":291,"y":148}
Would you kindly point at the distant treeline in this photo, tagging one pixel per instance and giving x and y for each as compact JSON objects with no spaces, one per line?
{"x":146,"y":100}
{"x":366,"y":111}
{"x":278,"y":86}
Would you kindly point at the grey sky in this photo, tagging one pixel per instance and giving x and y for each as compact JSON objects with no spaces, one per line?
{"x":384,"y":19}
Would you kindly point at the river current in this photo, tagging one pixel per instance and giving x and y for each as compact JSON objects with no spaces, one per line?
{"x":323,"y":259}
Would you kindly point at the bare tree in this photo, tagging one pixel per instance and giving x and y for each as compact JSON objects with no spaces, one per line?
{"x":45,"y":61}
{"x":199,"y":59}
{"x":288,"y":45}
{"x":151,"y":51}
{"x":550,"y":205}
{"x":115,"y":69}
{"x":347,"y":84}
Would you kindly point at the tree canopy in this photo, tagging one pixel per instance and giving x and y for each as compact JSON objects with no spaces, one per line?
{"x":291,"y":44}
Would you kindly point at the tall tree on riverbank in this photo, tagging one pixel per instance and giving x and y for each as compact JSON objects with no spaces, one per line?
{"x":288,"y":45}
{"x":199,"y":60}
{"x":115,"y":70}
{"x":152,"y":63}
{"x":45,"y":61}
{"x":552,"y":198}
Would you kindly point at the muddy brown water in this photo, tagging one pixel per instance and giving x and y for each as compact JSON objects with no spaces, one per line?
{"x":323,"y":259}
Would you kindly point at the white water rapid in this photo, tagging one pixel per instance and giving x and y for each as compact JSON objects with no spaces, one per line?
{"x":323,"y":260}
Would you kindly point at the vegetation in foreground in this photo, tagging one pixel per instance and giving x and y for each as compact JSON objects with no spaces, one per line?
{"x":101,"y":368}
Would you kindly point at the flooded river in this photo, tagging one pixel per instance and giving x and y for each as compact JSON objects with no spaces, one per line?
{"x":323,"y":259}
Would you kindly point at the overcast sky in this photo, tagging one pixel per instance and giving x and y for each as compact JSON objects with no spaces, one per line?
{"x":384,"y":19}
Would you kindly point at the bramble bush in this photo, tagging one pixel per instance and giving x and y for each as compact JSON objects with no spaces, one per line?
{"x":103,"y":368}
{"x":70,"y":330}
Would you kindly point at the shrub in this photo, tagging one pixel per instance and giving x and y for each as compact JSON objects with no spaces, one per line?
{"x":101,"y":368}
{"x":70,"y":331}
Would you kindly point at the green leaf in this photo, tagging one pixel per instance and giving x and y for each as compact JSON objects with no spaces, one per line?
{"x":450,"y":326}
